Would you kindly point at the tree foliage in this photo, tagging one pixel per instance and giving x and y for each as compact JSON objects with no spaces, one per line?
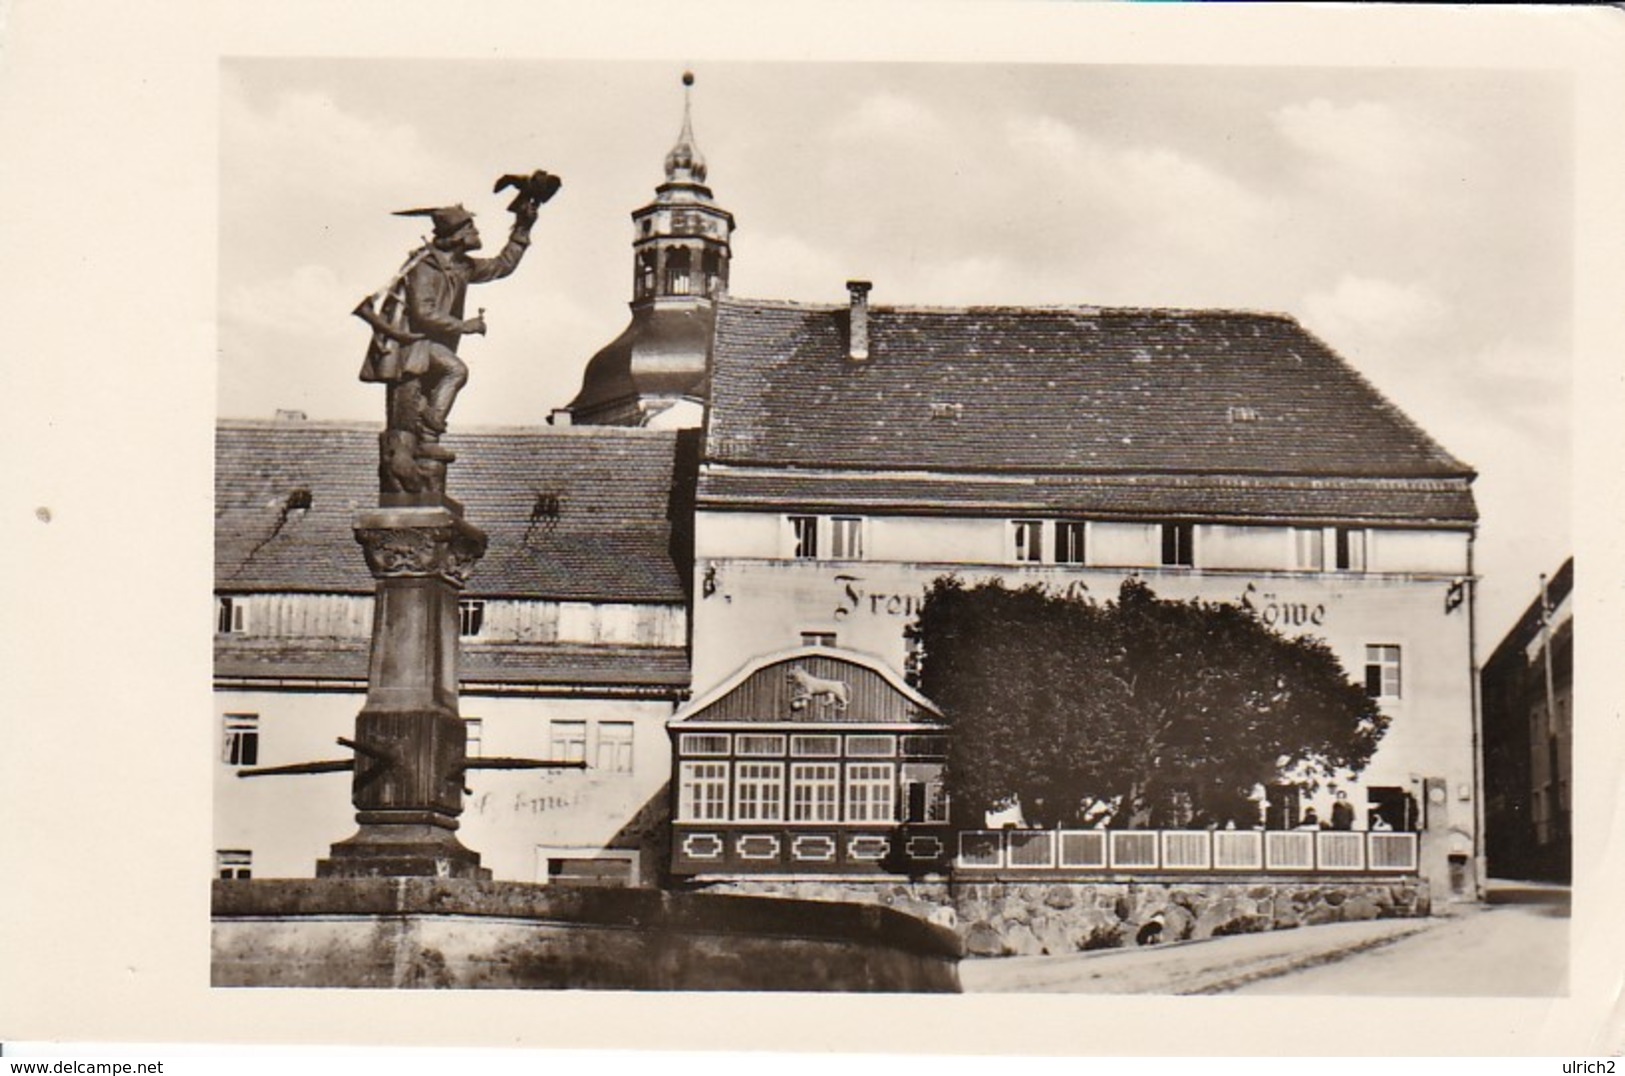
{"x":1146,"y":711}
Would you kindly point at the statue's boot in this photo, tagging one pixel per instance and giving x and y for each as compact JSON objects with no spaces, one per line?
{"x":430,"y":448}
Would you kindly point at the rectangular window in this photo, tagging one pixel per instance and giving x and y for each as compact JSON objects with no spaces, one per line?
{"x":757,"y":744}
{"x":924,"y":746}
{"x":703,"y":743}
{"x":804,"y":532}
{"x":474,"y":742}
{"x":231,"y":616}
{"x":871,"y":746}
{"x":1069,"y":541}
{"x":1177,"y":542}
{"x":818,"y":638}
{"x":870,"y":787}
{"x":1028,"y":538}
{"x":567,"y":741}
{"x":1382,"y":671}
{"x":702,"y":792}
{"x":815,"y":746}
{"x":846,"y":538}
{"x":1350,"y":549}
{"x":470,"y":617}
{"x":925,"y":799}
{"x":815,"y":792}
{"x":913,"y":658}
{"x":234,"y":863}
{"x":615,"y":746}
{"x":1309,"y":549}
{"x":759,"y":792}
{"x":241,"y":745}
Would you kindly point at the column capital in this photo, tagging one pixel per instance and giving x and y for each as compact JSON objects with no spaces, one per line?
{"x":419,"y":543}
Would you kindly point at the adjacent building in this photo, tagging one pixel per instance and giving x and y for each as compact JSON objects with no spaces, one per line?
{"x":1528,"y":706}
{"x":574,"y":641}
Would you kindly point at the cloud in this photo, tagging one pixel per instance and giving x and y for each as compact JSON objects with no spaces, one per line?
{"x":301,"y":142}
{"x":1154,"y":204}
{"x":1373,"y":311}
{"x":309,"y":301}
{"x":888,"y":116}
{"x":1367,"y":140}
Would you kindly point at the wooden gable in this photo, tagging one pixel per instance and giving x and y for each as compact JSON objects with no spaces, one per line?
{"x":817,"y":687}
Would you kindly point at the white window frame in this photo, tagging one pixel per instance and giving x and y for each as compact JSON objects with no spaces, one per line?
{"x":470,"y":617}
{"x":846,"y":537}
{"x":1309,"y":549}
{"x":758,"y":791}
{"x":871,"y":791}
{"x":704,"y":744}
{"x":1079,"y":527}
{"x":759,"y":745}
{"x":877,"y":745}
{"x":1027,"y":541}
{"x":1352,"y":549}
{"x":620,"y":750}
{"x":702,"y":791}
{"x":1190,"y":551}
{"x":240,"y":739}
{"x":929,"y":775}
{"x":473,"y":736}
{"x":567,"y":740}
{"x":803,"y":537}
{"x":1377,"y":656}
{"x":231,"y":615}
{"x":815,"y":792}
{"x":810,"y":746}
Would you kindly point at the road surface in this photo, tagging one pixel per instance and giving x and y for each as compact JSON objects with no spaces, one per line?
{"x":1507,"y":950}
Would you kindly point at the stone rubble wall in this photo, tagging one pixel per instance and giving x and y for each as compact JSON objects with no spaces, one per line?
{"x":1030,"y":918}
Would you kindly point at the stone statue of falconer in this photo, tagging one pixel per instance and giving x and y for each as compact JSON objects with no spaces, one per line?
{"x":417,"y":322}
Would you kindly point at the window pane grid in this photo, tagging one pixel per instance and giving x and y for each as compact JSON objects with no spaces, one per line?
{"x":869,"y":788}
{"x":568,"y":741}
{"x":703,"y":792}
{"x":1382,"y":671}
{"x":759,"y":792}
{"x":814,"y":792}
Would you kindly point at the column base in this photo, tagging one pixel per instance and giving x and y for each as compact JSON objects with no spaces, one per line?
{"x":396,"y":850}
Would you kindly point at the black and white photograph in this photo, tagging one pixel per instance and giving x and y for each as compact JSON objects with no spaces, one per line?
{"x":641,"y":517}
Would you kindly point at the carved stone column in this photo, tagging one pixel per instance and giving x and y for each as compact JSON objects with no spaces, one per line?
{"x":410,"y":742}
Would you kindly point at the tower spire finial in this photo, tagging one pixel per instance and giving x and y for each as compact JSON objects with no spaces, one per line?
{"x":684,"y":161}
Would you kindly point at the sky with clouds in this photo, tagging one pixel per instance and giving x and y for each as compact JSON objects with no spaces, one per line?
{"x":1419,"y":221}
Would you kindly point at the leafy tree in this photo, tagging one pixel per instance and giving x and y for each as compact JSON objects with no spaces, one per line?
{"x":1149,"y":712}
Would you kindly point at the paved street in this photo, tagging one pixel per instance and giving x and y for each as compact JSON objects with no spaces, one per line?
{"x":1511,"y":950}
{"x":1515,"y":946}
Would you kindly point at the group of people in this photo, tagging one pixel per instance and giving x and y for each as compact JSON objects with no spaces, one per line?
{"x":1343,"y":817}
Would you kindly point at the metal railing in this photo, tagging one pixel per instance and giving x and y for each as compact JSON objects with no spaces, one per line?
{"x":1197,"y":850}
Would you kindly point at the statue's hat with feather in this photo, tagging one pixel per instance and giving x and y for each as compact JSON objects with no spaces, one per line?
{"x":447,"y":219}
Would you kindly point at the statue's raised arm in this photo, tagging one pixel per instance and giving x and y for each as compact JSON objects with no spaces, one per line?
{"x":418,"y":320}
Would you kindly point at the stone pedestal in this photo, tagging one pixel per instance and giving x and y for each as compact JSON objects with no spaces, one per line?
{"x":410,"y":742}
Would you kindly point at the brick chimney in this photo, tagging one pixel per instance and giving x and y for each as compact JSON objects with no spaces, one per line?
{"x":858,"y":323}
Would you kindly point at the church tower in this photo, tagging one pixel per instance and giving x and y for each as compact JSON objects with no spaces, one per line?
{"x":654,"y":372}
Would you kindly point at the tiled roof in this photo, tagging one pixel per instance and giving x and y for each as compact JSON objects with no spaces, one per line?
{"x":575,"y":666}
{"x":1051,"y":390}
{"x":573,"y":514}
{"x":1210,"y":498}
